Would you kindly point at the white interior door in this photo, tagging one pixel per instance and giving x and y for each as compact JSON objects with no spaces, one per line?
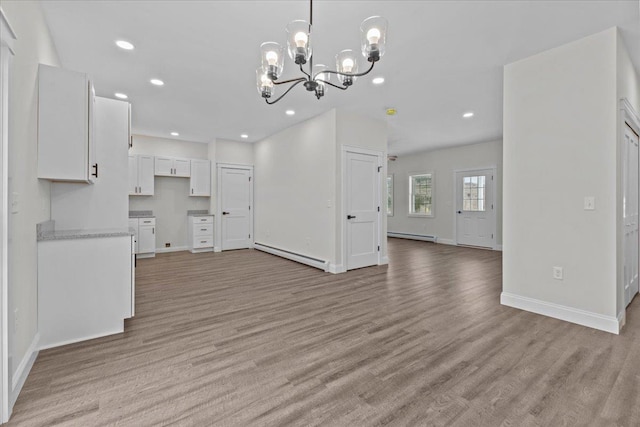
{"x":236,"y":203}
{"x":363,"y":210}
{"x":630,"y":212}
{"x":475,"y":213}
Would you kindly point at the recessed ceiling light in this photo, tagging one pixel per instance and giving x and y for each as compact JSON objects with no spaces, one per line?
{"x":244,"y":136}
{"x":123,"y":44}
{"x":121,"y":95}
{"x":468,"y":115}
{"x":157,"y":82}
{"x":378,"y":80}
{"x":290,"y":112}
{"x":175,"y":134}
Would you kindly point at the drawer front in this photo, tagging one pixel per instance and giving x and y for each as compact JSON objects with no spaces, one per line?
{"x":202,"y":219}
{"x":146,"y":221}
{"x":202,"y":242}
{"x":203,"y":230}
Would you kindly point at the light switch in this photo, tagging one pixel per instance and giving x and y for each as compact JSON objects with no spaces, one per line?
{"x":589,"y":203}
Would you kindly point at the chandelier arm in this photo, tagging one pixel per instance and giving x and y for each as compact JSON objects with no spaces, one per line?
{"x":305,"y":73}
{"x":346,"y":74}
{"x":299,"y":79}
{"x":336,"y":86}
{"x":286,"y":92}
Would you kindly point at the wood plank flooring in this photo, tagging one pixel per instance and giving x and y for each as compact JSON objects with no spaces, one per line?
{"x":243,"y":338}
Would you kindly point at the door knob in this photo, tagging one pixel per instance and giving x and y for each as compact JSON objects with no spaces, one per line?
{"x":225,"y":213}
{"x":459,"y":212}
{"x":351,"y":216}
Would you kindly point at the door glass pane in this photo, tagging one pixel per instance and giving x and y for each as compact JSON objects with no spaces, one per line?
{"x":473,"y":193}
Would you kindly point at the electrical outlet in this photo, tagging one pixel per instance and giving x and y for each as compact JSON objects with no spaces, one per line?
{"x":167,"y":245}
{"x":558,"y":273}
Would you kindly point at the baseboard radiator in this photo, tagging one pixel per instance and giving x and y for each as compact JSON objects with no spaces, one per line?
{"x":423,"y":237}
{"x":302,"y":259}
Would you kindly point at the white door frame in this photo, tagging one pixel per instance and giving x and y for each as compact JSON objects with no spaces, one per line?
{"x":494,"y":186}
{"x":382,"y":167}
{"x":218,"y":215}
{"x":628,"y":116}
{"x":7,"y":42}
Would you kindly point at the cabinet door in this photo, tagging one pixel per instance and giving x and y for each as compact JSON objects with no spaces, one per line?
{"x":133,"y":175}
{"x":145,"y":175}
{"x":64,"y":127}
{"x":200,"y":178}
{"x":133,"y":223}
{"x":164,"y":166}
{"x":182,"y":167}
{"x":146,"y":239}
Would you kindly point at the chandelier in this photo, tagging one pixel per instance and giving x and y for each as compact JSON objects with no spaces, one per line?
{"x":373,"y":31}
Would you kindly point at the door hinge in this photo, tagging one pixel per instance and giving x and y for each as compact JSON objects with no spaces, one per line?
{"x":249,"y":179}
{"x":379,"y":168}
{"x":492,"y":235}
{"x":250,"y":207}
{"x":378,"y":208}
{"x":378,"y":248}
{"x":249,"y":235}
{"x":492,"y":206}
{"x":491,"y":177}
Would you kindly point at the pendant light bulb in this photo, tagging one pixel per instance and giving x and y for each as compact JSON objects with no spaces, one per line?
{"x":301,"y":39}
{"x":373,"y":35}
{"x":347,"y":65}
{"x":271,"y":57}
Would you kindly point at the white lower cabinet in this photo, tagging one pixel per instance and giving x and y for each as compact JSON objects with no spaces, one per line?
{"x":201,"y":233}
{"x":145,"y":234}
{"x":85,"y":288}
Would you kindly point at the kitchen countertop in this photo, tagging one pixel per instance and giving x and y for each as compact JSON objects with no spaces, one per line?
{"x":141,"y":214}
{"x":199,"y":213}
{"x":83,"y":234}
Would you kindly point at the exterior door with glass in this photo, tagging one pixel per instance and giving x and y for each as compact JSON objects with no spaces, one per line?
{"x":630,"y":212}
{"x":475,"y":213}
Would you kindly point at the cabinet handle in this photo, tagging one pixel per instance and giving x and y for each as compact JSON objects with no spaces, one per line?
{"x":96,"y":170}
{"x":203,"y":241}
{"x":192,"y":191}
{"x":203,"y":229}
{"x":153,"y":230}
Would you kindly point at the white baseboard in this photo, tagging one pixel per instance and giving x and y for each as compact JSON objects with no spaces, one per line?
{"x":336,"y":268}
{"x":217,"y":249}
{"x":447,"y":242}
{"x":412,"y":236}
{"x":622,"y":318}
{"x":569,"y":314}
{"x":146,"y":255}
{"x":498,"y":248}
{"x":384,"y":260}
{"x":302,"y":259}
{"x":118,"y":330}
{"x":174,"y":249}
{"x":22,"y":372}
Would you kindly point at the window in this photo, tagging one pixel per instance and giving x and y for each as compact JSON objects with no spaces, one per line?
{"x":473,"y":193}
{"x":390,"y":195}
{"x":421,"y":194}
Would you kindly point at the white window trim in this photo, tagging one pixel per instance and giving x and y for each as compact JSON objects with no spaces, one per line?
{"x":393,"y":194}
{"x":433,"y":195}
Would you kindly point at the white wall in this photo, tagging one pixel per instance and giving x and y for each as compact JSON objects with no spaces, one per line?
{"x":628,"y":87}
{"x":103,"y":204}
{"x":442,"y":163}
{"x":295,"y":188}
{"x":34,"y":45}
{"x":171,"y":199}
{"x":560,"y":146}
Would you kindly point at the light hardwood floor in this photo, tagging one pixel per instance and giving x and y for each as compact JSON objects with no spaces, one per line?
{"x":244,"y":338}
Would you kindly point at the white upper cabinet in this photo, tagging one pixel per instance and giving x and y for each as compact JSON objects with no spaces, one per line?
{"x":65,"y":126}
{"x":169,"y":166}
{"x":200,"y":178}
{"x":141,"y":178}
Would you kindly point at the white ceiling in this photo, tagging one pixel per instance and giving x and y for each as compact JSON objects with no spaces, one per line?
{"x":443,"y":58}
